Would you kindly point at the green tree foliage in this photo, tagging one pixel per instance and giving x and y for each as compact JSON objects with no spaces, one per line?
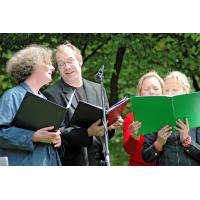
{"x":126,"y":58}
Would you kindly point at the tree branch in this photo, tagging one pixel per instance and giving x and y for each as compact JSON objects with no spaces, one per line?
{"x":95,"y":50}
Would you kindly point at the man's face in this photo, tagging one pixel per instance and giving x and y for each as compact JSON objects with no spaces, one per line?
{"x":68,"y":65}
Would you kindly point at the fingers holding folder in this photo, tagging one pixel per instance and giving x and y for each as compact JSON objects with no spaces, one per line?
{"x":46,"y":135}
{"x":117,"y":124}
{"x":96,"y":129}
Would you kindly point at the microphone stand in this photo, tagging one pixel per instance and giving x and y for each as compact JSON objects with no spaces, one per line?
{"x":100,"y":78}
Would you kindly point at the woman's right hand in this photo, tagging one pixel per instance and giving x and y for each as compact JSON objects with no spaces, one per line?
{"x":134,"y":127}
{"x":162,"y":136}
{"x":46,"y":135}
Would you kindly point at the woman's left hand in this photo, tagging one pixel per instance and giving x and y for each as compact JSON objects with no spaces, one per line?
{"x":57,"y":141}
{"x":183,"y":128}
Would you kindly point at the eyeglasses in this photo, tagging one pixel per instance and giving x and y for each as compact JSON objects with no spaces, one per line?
{"x":62,"y":63}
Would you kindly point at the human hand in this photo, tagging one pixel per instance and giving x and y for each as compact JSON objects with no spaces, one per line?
{"x":134,"y":127}
{"x":45,"y":135}
{"x":95,"y":129}
{"x":183,"y":128}
{"x":116,"y":124}
{"x":57,"y":141}
{"x":162,"y":136}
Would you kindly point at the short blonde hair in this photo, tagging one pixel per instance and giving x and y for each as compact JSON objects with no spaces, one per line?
{"x":25,"y":61}
{"x":76,"y":51}
{"x":149,"y":75}
{"x":182,"y":78}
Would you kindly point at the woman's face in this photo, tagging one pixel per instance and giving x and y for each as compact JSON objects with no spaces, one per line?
{"x":151,"y":87}
{"x":44,"y":72}
{"x":173,"y":87}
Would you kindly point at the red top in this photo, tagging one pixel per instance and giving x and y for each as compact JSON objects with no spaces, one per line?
{"x":133,"y":147}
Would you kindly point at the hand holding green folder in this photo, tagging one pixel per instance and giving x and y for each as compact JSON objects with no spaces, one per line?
{"x":157,"y":111}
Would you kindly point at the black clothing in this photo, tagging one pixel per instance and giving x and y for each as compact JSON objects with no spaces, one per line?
{"x":77,"y":147}
{"x":173,"y":152}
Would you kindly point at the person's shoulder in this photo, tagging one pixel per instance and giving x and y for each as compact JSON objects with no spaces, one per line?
{"x":13,"y":95}
{"x":129,"y":116}
{"x":128,"y":119}
{"x":12,"y":92}
{"x":52,"y":88}
{"x":91,"y":83}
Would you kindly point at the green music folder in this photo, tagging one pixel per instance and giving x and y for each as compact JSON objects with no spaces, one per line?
{"x":157,"y":111}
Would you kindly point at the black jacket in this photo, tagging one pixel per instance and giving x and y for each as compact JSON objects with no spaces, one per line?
{"x":173,"y":153}
{"x":77,"y":147}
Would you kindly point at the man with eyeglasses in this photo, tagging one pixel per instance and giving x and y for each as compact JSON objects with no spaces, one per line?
{"x":80,"y":146}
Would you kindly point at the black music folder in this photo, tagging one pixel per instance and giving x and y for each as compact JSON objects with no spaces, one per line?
{"x":86,"y":114}
{"x":35,"y":113}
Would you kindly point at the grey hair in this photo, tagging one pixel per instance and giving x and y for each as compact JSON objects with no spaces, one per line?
{"x":25,"y":61}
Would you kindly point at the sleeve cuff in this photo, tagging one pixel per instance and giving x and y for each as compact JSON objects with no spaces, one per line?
{"x":186,"y":143}
{"x":156,"y":148}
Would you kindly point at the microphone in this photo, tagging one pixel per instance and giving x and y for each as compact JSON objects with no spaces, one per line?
{"x":70,"y":100}
{"x":99,"y":75}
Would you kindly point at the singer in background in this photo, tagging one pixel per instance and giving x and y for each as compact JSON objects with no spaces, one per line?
{"x":179,"y":146}
{"x":150,"y":84}
{"x":80,"y":146}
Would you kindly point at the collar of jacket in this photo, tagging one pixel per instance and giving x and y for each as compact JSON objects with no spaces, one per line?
{"x":27,"y":88}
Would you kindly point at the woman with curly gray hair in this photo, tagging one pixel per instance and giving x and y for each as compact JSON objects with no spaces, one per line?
{"x":31,"y":68}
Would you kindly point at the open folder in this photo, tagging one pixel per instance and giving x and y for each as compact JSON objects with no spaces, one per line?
{"x":35,"y":113}
{"x":157,"y":111}
{"x":86,"y":114}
